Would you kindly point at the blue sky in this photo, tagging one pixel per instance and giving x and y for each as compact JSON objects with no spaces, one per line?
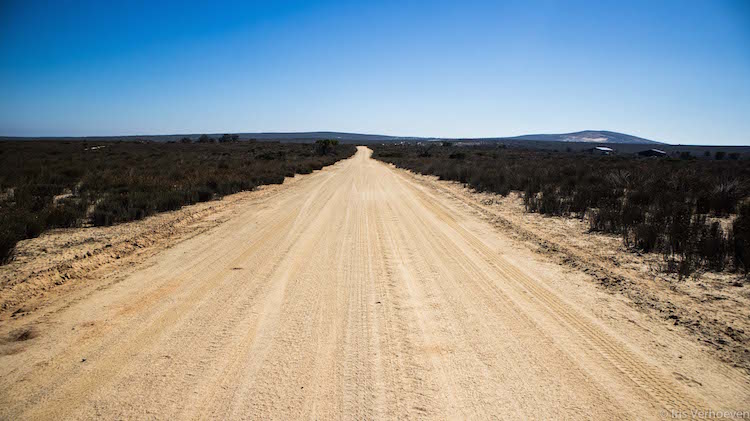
{"x":675,"y":71}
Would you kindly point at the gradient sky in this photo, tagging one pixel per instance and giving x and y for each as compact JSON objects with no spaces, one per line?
{"x":674,"y":71}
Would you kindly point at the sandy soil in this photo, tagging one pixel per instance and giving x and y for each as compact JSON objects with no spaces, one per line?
{"x":712,"y":308}
{"x":359,"y":291}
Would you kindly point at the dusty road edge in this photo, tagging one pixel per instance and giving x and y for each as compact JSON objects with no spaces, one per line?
{"x":716,"y":336}
{"x":74,"y":263}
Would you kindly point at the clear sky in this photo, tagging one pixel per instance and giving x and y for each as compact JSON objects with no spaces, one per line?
{"x":674,"y":71}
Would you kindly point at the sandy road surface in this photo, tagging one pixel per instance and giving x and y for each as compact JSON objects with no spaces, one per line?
{"x":356,"y":293}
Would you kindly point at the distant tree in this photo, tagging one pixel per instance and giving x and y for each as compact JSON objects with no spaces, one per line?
{"x":235,"y":138}
{"x":186,"y":140}
{"x":447,"y":144}
{"x":425,"y":152}
{"x":324,"y":146}
{"x":204,"y":139}
{"x":685,"y":155}
{"x":734,"y":156}
{"x":225,"y":138}
{"x":707,"y":153}
{"x":719,"y":155}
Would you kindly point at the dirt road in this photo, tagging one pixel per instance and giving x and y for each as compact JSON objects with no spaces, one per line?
{"x":355,"y":293}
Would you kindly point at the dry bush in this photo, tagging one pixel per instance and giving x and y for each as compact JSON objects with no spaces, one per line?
{"x":47,"y":184}
{"x":656,"y":205}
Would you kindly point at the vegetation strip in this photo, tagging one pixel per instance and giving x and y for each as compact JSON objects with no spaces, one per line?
{"x":53,"y":184}
{"x":694,"y":212}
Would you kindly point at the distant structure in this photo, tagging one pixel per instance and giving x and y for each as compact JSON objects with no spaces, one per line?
{"x":653,"y":152}
{"x":602,"y":150}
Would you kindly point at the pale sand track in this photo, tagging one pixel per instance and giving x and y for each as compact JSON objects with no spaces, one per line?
{"x":358,"y":294}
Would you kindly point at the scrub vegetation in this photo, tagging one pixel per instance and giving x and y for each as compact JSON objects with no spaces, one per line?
{"x":695,"y":212}
{"x":56,"y":184}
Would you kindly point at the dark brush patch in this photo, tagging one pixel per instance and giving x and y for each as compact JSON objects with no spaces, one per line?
{"x":665,"y":206}
{"x":60,"y":184}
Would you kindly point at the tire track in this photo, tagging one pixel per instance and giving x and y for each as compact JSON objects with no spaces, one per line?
{"x":643,"y":375}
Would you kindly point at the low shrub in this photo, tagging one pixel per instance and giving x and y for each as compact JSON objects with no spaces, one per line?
{"x":663,"y":205}
{"x":740,"y":238}
{"x":125,"y":181}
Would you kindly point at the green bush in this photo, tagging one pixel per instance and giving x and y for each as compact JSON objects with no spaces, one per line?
{"x":326,"y":146}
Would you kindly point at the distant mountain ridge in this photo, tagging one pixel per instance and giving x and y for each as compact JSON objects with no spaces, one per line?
{"x":298,"y":136}
{"x":588,"y":136}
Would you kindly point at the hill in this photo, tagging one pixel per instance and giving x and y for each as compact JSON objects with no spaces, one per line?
{"x":588,"y":136}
